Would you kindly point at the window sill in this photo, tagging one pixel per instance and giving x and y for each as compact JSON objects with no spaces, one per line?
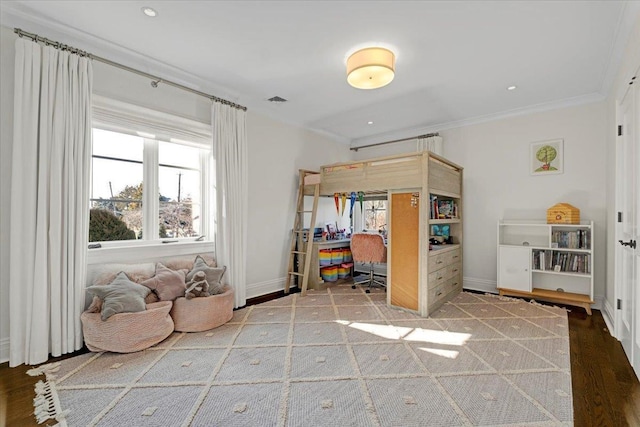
{"x":147,"y":252}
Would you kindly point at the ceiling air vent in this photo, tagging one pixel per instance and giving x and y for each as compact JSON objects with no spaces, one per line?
{"x":277,"y":99}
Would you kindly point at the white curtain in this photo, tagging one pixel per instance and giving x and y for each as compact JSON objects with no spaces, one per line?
{"x":432,"y":143}
{"x":230,"y":151}
{"x":49,"y":201}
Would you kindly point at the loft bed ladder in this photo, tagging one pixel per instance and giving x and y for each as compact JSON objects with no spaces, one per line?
{"x":300,"y":250}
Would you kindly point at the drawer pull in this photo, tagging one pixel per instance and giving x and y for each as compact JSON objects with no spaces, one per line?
{"x":455,"y":284}
{"x":439,"y":278}
{"x":455,"y":256}
{"x":455,"y":271}
{"x":439,"y":262}
{"x":439,"y":293}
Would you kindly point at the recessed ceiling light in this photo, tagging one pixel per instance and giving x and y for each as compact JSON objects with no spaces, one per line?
{"x":149,"y":12}
{"x":513,"y":87}
{"x":369,"y":122}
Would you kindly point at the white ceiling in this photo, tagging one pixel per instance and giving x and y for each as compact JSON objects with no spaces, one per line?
{"x":454,"y":60}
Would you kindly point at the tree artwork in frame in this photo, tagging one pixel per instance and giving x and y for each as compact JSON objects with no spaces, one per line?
{"x":547,"y":157}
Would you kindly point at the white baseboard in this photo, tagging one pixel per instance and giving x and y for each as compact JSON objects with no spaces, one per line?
{"x":598,"y":301}
{"x":482,"y":285}
{"x":608,"y":314}
{"x":266,"y":287}
{"x":4,"y":350}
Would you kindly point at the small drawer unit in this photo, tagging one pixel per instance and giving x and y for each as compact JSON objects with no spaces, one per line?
{"x":445,"y":274}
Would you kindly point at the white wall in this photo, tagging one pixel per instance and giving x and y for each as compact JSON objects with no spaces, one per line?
{"x":630,"y":63}
{"x":276,"y":151}
{"x":497,"y":182}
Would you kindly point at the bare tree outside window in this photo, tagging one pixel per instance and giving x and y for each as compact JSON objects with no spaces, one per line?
{"x":179,"y":181}
{"x":118,"y":188}
{"x":375,"y":215}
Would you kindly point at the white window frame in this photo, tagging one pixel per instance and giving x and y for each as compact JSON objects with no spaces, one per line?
{"x":360,"y":221}
{"x":120,"y":117}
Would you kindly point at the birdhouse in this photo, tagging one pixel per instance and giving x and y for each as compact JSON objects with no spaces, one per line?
{"x":563,"y":213}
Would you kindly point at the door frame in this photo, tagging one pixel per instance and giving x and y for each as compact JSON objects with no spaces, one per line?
{"x":627,"y":90}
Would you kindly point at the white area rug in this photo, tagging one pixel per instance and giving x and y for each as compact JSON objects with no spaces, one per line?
{"x":334,"y":358}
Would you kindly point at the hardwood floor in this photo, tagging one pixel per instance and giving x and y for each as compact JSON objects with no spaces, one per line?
{"x":606,"y":391}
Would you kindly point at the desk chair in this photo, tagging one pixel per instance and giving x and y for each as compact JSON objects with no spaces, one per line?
{"x":369,"y":248}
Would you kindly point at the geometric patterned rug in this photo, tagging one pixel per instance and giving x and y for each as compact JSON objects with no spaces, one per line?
{"x":337,"y":357}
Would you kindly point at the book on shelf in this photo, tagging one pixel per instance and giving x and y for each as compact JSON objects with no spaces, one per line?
{"x":567,"y":262}
{"x":445,"y":209}
{"x":442,"y":208}
{"x":433,"y":206}
{"x":579,"y":239}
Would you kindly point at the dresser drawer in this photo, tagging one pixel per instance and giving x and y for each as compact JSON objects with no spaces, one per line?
{"x":438,"y":277}
{"x":453,"y":269}
{"x":453,"y":256}
{"x":454,"y":284}
{"x":437,"y":293}
{"x":437,"y":261}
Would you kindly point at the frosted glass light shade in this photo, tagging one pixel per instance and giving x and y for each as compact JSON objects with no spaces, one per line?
{"x":371,"y":68}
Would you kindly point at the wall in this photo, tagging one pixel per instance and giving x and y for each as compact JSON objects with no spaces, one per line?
{"x":629,"y":65}
{"x":276,"y":151}
{"x":497,"y":182}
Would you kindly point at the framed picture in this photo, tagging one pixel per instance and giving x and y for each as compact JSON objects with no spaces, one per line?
{"x":331,"y":228}
{"x":547,"y":157}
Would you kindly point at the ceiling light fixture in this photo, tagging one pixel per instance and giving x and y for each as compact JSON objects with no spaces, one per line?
{"x":369,"y":122}
{"x":149,"y":12}
{"x":371,"y":68}
{"x":513,"y":87}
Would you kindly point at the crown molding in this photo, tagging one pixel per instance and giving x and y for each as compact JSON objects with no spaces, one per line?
{"x":629,"y":15}
{"x":14,"y":15}
{"x":531,"y":109}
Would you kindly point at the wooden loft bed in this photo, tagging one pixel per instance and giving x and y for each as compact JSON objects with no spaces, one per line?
{"x":404,"y":177}
{"x":405,"y":171}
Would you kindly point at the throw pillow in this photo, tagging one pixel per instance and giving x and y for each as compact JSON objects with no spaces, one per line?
{"x":96,"y":302}
{"x":212,"y":274}
{"x":168,"y":284}
{"x":120,"y":296}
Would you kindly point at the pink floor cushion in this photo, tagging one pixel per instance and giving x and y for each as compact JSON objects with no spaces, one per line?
{"x":202,"y":313}
{"x":128,"y":332}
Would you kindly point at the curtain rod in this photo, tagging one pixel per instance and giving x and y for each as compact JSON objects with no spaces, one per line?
{"x":155,"y":79}
{"x":428,"y":135}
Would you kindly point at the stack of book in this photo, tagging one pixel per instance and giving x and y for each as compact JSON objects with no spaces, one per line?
{"x":442,"y":208}
{"x":580,"y":239}
{"x":561,"y":262}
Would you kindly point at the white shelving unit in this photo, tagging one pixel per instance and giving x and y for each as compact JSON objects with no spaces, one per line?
{"x":550,"y":262}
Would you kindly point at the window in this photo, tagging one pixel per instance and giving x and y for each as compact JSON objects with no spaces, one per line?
{"x":179,"y":181}
{"x":116,"y":190}
{"x":151,"y":176}
{"x":375,"y":215}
